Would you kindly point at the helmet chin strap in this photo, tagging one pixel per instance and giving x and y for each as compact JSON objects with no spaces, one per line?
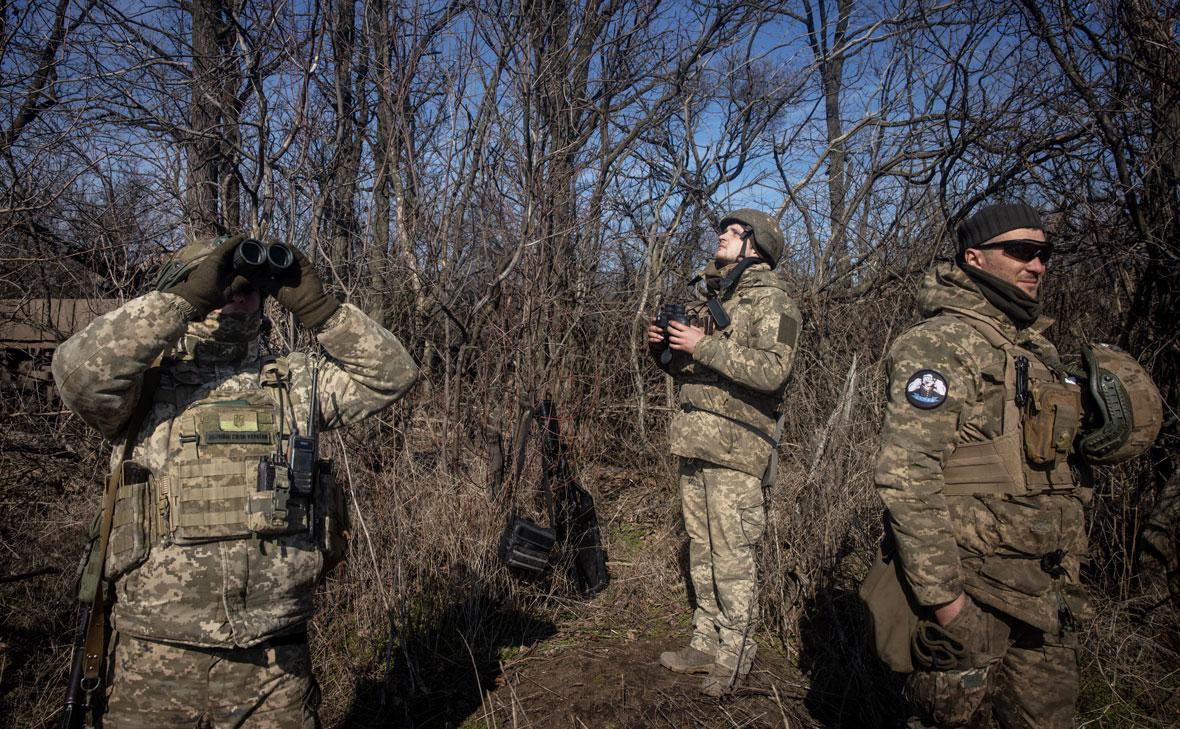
{"x":746,"y":233}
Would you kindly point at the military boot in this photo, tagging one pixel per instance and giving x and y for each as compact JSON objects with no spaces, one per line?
{"x":687,"y":660}
{"x":728,"y":673}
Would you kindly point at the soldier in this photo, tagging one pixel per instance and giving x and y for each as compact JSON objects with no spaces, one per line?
{"x":733,"y":375}
{"x":984,"y":488}
{"x":217,"y":545}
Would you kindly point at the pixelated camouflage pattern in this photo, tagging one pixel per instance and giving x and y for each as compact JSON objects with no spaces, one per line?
{"x":161,"y":686}
{"x":724,"y":517}
{"x":1161,"y":532}
{"x":1015,"y":675}
{"x":734,"y":383}
{"x":99,"y":370}
{"x":235,"y":592}
{"x":989,"y":546}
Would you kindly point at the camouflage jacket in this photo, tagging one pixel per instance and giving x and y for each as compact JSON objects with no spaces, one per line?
{"x":733,"y":383}
{"x":990,"y":545}
{"x":227,"y":592}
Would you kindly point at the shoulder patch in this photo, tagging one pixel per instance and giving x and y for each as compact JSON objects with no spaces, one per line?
{"x":926,"y":389}
{"x":788,"y":330}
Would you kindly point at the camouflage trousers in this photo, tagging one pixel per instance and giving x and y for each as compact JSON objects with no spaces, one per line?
{"x":1161,"y":532}
{"x":1018,"y":677}
{"x":724,"y":517}
{"x":161,"y":685}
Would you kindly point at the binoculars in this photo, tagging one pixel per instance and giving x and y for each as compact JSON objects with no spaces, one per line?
{"x":669,"y":313}
{"x":255,"y":257}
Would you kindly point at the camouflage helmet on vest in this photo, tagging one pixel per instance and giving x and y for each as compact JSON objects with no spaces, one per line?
{"x":767,"y":237}
{"x":1128,"y":410}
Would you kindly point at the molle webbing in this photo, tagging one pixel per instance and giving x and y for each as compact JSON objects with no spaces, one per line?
{"x":223,"y":481}
{"x":1000,"y":466}
{"x":991,"y":466}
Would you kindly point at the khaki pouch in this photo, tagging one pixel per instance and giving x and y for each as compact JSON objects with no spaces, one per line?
{"x":892,"y":611}
{"x":89,"y":571}
{"x":131,"y":530}
{"x":1051,"y":421}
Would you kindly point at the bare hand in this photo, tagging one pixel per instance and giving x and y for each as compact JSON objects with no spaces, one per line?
{"x":948,"y":612}
{"x":684,"y":338}
{"x":655,"y":336}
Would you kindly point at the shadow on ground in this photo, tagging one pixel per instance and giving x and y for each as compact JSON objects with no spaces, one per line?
{"x":849,"y":686}
{"x":442,"y":670}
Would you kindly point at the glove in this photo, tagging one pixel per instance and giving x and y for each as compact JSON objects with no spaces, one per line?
{"x":935,"y":648}
{"x":301,"y":292}
{"x":207,"y":285}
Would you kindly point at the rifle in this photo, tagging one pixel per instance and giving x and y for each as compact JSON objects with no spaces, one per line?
{"x":79,"y":700}
{"x":86,"y":668}
{"x":571,"y":509}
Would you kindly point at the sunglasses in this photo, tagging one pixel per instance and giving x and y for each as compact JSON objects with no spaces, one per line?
{"x":1023,"y":250}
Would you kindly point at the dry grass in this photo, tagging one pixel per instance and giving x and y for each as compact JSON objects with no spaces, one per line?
{"x":423,"y":627}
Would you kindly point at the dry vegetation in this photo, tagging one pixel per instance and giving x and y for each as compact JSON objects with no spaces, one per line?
{"x":512,"y":188}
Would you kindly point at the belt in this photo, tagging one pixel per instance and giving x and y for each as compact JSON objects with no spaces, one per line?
{"x":237,"y":654}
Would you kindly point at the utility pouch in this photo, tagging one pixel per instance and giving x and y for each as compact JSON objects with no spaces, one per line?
{"x":131,"y":525}
{"x":89,"y":570}
{"x":892,"y":612}
{"x":1051,"y":421}
{"x":1076,"y":605}
{"x":333,"y":524}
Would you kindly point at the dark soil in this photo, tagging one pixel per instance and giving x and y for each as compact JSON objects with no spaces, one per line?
{"x":587,"y":682}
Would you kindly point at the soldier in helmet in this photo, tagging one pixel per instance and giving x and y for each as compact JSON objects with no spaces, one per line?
{"x":733,"y":372}
{"x":981,"y":470}
{"x":217,"y":541}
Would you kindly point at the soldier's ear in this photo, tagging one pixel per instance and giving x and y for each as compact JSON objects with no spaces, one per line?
{"x":974,"y":257}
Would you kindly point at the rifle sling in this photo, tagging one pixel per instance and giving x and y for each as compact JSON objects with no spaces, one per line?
{"x":96,"y":623}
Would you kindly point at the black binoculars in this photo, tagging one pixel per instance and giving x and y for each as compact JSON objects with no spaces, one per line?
{"x":669,"y":313}
{"x":254,"y":257}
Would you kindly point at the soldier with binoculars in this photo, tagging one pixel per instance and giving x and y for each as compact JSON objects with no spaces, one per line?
{"x":219,"y":520}
{"x":733,"y":363}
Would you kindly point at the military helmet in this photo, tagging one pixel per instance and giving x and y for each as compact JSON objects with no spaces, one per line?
{"x":1128,"y":410}
{"x":768,"y":239}
{"x":183,"y":261}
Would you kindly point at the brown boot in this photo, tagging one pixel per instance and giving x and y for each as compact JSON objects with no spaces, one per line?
{"x":723,"y":679}
{"x":687,"y":660}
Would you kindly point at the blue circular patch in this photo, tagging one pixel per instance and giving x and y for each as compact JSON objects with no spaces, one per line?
{"x":926,"y":389}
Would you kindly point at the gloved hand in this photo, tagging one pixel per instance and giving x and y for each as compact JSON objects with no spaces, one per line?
{"x":935,"y":648}
{"x":301,"y":292}
{"x":208,"y":284}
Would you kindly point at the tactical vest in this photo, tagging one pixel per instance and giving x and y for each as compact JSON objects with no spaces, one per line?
{"x":1030,"y":456}
{"x":223,"y":477}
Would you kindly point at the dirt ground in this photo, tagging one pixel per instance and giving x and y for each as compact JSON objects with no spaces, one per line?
{"x":587,"y":681}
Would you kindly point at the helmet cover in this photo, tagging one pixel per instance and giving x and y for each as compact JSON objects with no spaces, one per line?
{"x":1127,"y":408}
{"x":768,"y":239}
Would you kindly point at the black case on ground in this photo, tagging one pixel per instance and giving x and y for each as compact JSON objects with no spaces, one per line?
{"x":526,"y":545}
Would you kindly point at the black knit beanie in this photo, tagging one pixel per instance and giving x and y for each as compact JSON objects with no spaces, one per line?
{"x":994,"y":220}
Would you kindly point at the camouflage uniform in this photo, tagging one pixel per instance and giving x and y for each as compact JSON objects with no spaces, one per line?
{"x":732,"y":387}
{"x":213,"y":578}
{"x":969,"y":509}
{"x":1160,"y":537}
